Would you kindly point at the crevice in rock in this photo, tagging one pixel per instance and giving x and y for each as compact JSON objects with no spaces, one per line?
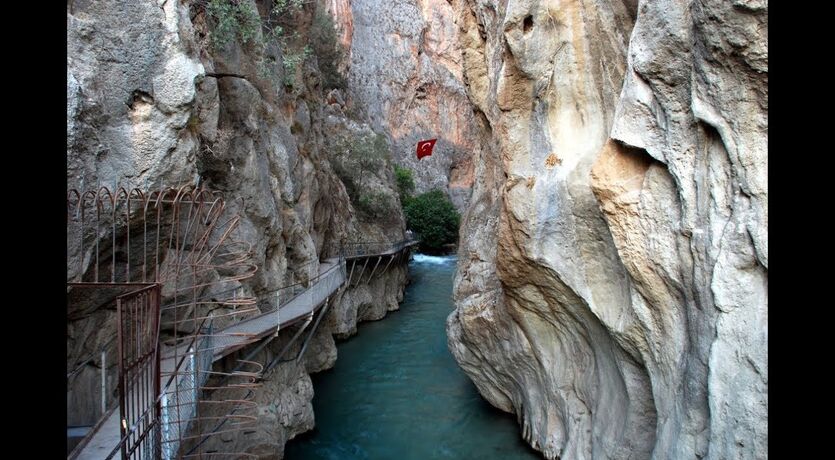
{"x":527,"y":24}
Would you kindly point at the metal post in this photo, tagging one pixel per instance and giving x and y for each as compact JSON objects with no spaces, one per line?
{"x":379,"y":258}
{"x":164,"y":428}
{"x":389,"y":263}
{"x":315,"y":325}
{"x":103,"y":381}
{"x":351,"y":276}
{"x":362,"y":271}
{"x":277,"y":318}
{"x":277,"y":312}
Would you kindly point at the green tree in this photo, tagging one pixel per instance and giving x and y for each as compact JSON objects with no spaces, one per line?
{"x":239,"y":20}
{"x":434,"y":218}
{"x":405,"y":183}
{"x":328,"y":50}
{"x":353,"y":159}
{"x":369,"y":153}
{"x":377,"y":205}
{"x":233,"y":20}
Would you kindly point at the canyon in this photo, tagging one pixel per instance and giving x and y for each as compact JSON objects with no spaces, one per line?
{"x":609,"y":160}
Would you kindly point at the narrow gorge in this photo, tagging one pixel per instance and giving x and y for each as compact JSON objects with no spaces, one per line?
{"x":608,"y":291}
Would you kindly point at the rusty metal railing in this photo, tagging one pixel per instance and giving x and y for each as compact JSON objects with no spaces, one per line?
{"x":139,"y":372}
{"x":176,"y":246}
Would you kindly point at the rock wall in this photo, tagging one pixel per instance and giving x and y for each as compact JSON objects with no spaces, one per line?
{"x":152,"y":102}
{"x":612,"y":286}
{"x":406,"y":74}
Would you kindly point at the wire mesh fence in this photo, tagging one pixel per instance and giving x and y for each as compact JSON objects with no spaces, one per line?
{"x":180,"y":401}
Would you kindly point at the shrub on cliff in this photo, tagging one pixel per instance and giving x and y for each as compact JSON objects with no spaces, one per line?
{"x":328,"y":51}
{"x":405,"y":183}
{"x":434,"y":218}
{"x":357,"y":160}
{"x":233,"y":20}
{"x":377,"y":205}
{"x":359,"y":156}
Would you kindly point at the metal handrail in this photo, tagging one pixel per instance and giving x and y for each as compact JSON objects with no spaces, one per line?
{"x":356,"y":249}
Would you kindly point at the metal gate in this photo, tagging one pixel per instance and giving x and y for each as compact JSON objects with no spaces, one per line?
{"x":138,"y":314}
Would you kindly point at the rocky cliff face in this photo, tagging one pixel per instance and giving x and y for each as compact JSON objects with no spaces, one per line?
{"x":612,"y":287}
{"x":153,"y":102}
{"x":406,"y":74}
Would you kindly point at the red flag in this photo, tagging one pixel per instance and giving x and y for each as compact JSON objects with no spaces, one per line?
{"x":424,"y":148}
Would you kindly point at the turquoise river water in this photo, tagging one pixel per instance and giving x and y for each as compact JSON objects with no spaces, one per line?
{"x":397,"y":393}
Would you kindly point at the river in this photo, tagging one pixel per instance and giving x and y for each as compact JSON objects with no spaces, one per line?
{"x":397,"y":393}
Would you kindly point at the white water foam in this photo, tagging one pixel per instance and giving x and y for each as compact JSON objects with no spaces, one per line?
{"x":434,"y":260}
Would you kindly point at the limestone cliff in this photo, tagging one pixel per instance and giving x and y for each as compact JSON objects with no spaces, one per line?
{"x":153,"y":101}
{"x":406,"y":74}
{"x":612,"y":287}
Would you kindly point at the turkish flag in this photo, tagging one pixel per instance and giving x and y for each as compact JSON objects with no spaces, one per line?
{"x":424,"y":148}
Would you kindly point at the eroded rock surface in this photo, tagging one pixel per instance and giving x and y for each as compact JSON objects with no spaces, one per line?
{"x":406,"y":74}
{"x":612,"y":291}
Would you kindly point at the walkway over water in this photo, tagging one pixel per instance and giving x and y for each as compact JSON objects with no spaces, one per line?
{"x":332,"y":276}
{"x":401,"y":391}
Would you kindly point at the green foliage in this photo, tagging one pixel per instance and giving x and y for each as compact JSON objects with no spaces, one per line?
{"x":240,"y":20}
{"x":233,"y":20}
{"x":362,"y":155}
{"x":291,"y":62}
{"x":405,"y":183}
{"x":328,"y":50}
{"x":282,"y":6}
{"x":434,"y":218}
{"x":355,"y":161}
{"x":377,"y":205}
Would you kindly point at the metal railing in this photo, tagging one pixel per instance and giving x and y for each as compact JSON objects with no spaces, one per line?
{"x":179,"y":404}
{"x":174,"y":236}
{"x":132,"y":238}
{"x":283,"y":295}
{"x":139,"y":372}
{"x":365,"y":249}
{"x":317,"y":291}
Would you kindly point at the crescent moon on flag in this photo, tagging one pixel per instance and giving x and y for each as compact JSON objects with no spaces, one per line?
{"x":424,"y":148}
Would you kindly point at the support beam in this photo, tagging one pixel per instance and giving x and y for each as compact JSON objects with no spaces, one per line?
{"x":287,"y":346}
{"x":387,"y":265}
{"x":379,"y":258}
{"x":351,"y":276}
{"x":362,"y":271}
{"x":313,"y":330}
{"x":103,"y":381}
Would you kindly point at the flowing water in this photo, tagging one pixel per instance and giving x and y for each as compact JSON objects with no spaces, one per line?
{"x":397,"y":393}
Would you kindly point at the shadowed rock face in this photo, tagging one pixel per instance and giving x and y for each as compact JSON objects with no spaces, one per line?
{"x":612,"y":287}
